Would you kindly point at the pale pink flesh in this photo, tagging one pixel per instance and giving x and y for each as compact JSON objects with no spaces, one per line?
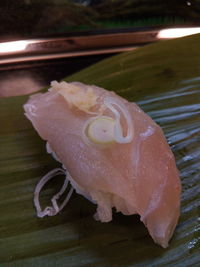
{"x":140,"y":177}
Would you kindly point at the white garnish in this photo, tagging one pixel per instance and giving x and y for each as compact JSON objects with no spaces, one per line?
{"x":101,"y":130}
{"x":106,"y":130}
{"x":109,"y":102}
{"x":52,"y":211}
{"x":81,"y":98}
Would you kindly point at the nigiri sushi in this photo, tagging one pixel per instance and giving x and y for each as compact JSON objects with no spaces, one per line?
{"x":111,"y":152}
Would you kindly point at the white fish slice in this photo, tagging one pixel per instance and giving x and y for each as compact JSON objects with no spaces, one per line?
{"x":113,"y":154}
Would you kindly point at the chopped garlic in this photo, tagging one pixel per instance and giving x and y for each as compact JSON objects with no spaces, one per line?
{"x":75,"y":95}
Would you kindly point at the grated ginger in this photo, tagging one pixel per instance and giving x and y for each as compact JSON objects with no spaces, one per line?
{"x":75,"y":95}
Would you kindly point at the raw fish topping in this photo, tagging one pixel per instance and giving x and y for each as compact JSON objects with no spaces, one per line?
{"x":100,"y":129}
{"x":111,"y":152}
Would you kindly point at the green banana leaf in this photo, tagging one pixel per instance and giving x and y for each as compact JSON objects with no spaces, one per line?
{"x":164,"y":79}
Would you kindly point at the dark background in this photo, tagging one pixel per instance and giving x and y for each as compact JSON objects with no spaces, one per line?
{"x":42,"y":17}
{"x":39,"y":18}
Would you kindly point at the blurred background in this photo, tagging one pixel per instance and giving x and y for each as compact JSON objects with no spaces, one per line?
{"x":43,"y":17}
{"x":41,"y":40}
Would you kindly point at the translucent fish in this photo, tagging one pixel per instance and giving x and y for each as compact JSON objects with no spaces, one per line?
{"x":135,"y":172}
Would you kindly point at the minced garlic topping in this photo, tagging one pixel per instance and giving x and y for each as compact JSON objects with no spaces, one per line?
{"x":75,"y":95}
